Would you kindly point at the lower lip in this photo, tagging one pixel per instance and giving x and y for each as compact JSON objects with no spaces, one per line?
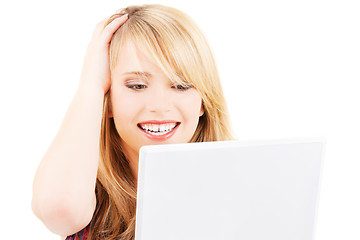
{"x":161,"y":137}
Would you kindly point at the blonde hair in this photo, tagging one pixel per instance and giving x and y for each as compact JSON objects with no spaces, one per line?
{"x":177,"y":46}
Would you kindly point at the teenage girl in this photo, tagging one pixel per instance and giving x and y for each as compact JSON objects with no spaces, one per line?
{"x":149,"y":77}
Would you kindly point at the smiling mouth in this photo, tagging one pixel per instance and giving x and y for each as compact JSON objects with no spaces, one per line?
{"x":158,"y":129}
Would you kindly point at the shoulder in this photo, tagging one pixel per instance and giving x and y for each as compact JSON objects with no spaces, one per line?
{"x":82,"y":235}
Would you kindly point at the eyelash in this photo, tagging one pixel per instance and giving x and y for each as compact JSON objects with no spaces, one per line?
{"x":182,"y":87}
{"x":143,"y":86}
{"x":137,"y":86}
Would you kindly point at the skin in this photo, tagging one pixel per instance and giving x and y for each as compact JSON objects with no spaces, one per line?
{"x":69,"y":167}
{"x":149,"y":97}
{"x":76,"y":145}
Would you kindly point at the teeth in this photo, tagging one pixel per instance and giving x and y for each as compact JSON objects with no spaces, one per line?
{"x":158,"y":129}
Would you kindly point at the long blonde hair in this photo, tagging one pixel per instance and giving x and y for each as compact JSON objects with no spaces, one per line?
{"x":176,"y":44}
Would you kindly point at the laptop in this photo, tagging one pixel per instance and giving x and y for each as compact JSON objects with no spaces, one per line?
{"x":258,"y":190}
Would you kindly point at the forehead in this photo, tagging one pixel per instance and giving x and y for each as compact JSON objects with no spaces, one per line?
{"x":132,"y":59}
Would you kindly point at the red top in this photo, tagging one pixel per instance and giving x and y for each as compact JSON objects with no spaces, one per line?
{"x":82,"y":235}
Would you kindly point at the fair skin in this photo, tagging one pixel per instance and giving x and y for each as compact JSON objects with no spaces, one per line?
{"x":144,"y":101}
{"x":69,"y":167}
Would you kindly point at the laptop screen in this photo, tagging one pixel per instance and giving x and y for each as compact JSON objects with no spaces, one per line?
{"x":228,"y":190}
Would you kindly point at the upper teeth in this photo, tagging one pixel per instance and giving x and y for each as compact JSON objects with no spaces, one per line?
{"x":158,"y":128}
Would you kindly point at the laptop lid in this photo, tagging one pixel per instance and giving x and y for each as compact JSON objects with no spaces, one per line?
{"x":228,"y":190}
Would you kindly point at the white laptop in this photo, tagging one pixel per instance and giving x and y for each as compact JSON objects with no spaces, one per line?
{"x":229,"y":190}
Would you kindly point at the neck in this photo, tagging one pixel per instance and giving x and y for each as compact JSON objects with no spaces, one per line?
{"x":133,"y":159}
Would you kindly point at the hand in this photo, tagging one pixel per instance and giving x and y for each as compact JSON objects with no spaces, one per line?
{"x":96,"y":67}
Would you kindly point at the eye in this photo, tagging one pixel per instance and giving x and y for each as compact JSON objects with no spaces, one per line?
{"x":182,"y":87}
{"x":137,"y":86}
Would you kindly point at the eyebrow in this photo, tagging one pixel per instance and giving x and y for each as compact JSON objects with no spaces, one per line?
{"x":148,"y":75}
{"x":145,"y":74}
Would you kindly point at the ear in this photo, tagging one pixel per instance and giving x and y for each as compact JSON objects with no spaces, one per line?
{"x":201,"y":110}
{"x":110,"y":115}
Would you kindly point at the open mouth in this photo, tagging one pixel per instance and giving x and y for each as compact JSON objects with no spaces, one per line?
{"x":158,"y":129}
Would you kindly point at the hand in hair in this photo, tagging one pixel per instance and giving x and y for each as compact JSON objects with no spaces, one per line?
{"x":96,"y":70}
{"x":64,"y":184}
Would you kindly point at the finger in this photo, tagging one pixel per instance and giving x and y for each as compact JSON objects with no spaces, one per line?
{"x":99,"y":28}
{"x":111,"y":28}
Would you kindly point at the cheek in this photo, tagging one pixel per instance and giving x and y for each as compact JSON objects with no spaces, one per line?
{"x":125,"y":107}
{"x":191,"y":105}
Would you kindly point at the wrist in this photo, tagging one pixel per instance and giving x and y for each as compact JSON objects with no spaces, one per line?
{"x":92,"y":91}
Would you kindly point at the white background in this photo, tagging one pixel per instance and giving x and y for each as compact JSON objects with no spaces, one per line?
{"x":289,"y":69}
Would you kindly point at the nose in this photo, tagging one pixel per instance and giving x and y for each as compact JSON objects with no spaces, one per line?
{"x":159,"y":101}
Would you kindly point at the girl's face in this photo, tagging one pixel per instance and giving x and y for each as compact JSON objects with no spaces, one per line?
{"x":147,"y":107}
